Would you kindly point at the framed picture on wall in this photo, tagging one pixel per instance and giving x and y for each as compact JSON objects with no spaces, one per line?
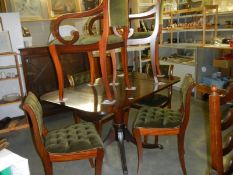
{"x":59,"y":7}
{"x":88,"y":4}
{"x":28,"y":9}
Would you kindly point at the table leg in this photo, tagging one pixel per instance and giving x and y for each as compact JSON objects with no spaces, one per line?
{"x":120,"y":128}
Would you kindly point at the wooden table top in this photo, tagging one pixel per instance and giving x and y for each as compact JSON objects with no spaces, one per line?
{"x":90,"y":98}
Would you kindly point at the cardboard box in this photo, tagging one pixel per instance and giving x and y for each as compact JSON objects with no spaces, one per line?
{"x":223,"y":63}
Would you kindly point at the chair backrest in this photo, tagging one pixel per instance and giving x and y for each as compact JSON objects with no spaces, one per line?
{"x":34,"y":111}
{"x":166,"y":70}
{"x":78,"y":78}
{"x":221,"y":143}
{"x":118,"y":12}
{"x":185,"y":93}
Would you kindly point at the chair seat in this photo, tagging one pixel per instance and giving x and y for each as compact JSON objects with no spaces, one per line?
{"x":139,"y":35}
{"x":156,"y":117}
{"x":81,"y":77}
{"x":227,"y":161}
{"x":90,"y":39}
{"x":155,"y":100}
{"x":74,"y":138}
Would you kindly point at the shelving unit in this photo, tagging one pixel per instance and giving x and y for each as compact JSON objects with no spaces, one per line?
{"x":184,"y":59}
{"x":190,"y":20}
{"x":14,"y":75}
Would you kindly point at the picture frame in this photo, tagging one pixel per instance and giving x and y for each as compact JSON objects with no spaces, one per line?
{"x":59,"y":7}
{"x":28,"y":9}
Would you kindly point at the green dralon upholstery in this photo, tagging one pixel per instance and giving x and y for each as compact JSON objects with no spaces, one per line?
{"x":139,"y":35}
{"x":81,"y":77}
{"x":89,"y":39}
{"x":156,"y":117}
{"x":118,"y":12}
{"x":77,"y":137}
{"x":187,"y":81}
{"x":35,"y":105}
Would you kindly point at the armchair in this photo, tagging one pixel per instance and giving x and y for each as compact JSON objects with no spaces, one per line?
{"x":117,"y":12}
{"x":151,"y":37}
{"x":75,"y":142}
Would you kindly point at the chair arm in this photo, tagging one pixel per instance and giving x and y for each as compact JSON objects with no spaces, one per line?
{"x":56,"y":23}
{"x":92,"y":21}
{"x":147,"y":14}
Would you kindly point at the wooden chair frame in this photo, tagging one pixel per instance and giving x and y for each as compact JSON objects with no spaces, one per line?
{"x":153,"y":40}
{"x":48,"y":158}
{"x":69,"y":47}
{"x":179,"y":131}
{"x":217,"y":125}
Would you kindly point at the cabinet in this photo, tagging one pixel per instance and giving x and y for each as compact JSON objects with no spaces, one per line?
{"x":179,"y":26}
{"x":11,"y":91}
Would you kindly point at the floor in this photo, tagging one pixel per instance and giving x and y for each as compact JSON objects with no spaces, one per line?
{"x":156,"y":161}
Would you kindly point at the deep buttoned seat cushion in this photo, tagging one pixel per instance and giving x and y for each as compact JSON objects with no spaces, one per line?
{"x":74,"y":138}
{"x":90,"y":39}
{"x":155,"y":117}
{"x":227,"y":159}
{"x":81,"y":77}
{"x":140,"y":35}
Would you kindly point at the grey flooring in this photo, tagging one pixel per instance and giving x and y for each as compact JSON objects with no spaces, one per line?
{"x":155,"y":161}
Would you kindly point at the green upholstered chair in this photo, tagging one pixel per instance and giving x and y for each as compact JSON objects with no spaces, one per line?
{"x":81,"y":78}
{"x":156,"y":121}
{"x":75,"y":142}
{"x":159,"y":100}
{"x":221,"y":131}
{"x":115,"y":13}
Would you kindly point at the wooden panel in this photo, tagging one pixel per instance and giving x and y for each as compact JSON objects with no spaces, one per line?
{"x":39,"y":73}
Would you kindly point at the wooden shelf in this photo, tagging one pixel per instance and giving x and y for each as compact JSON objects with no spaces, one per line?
{"x":2,"y":102}
{"x":16,"y":124}
{"x":9,"y":78}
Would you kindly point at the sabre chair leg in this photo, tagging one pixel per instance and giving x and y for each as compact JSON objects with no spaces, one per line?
{"x":181,"y":153}
{"x":102,"y":53}
{"x":92,"y":163}
{"x":99,"y":161}
{"x":92,"y":68}
{"x":114,"y":66}
{"x":137,"y":136}
{"x":48,"y":167}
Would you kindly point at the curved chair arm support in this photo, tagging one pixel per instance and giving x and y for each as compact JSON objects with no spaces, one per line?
{"x":56,"y":23}
{"x":92,"y":21}
{"x":147,"y":14}
{"x":116,"y":32}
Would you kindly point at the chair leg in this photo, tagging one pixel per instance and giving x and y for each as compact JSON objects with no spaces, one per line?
{"x":99,"y":161}
{"x":76,"y":117}
{"x":137,"y":136}
{"x":47,"y":167}
{"x":92,"y":163}
{"x":102,"y":53}
{"x":92,"y":68}
{"x":98,"y":126}
{"x":114,"y":66}
{"x":181,"y":152}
